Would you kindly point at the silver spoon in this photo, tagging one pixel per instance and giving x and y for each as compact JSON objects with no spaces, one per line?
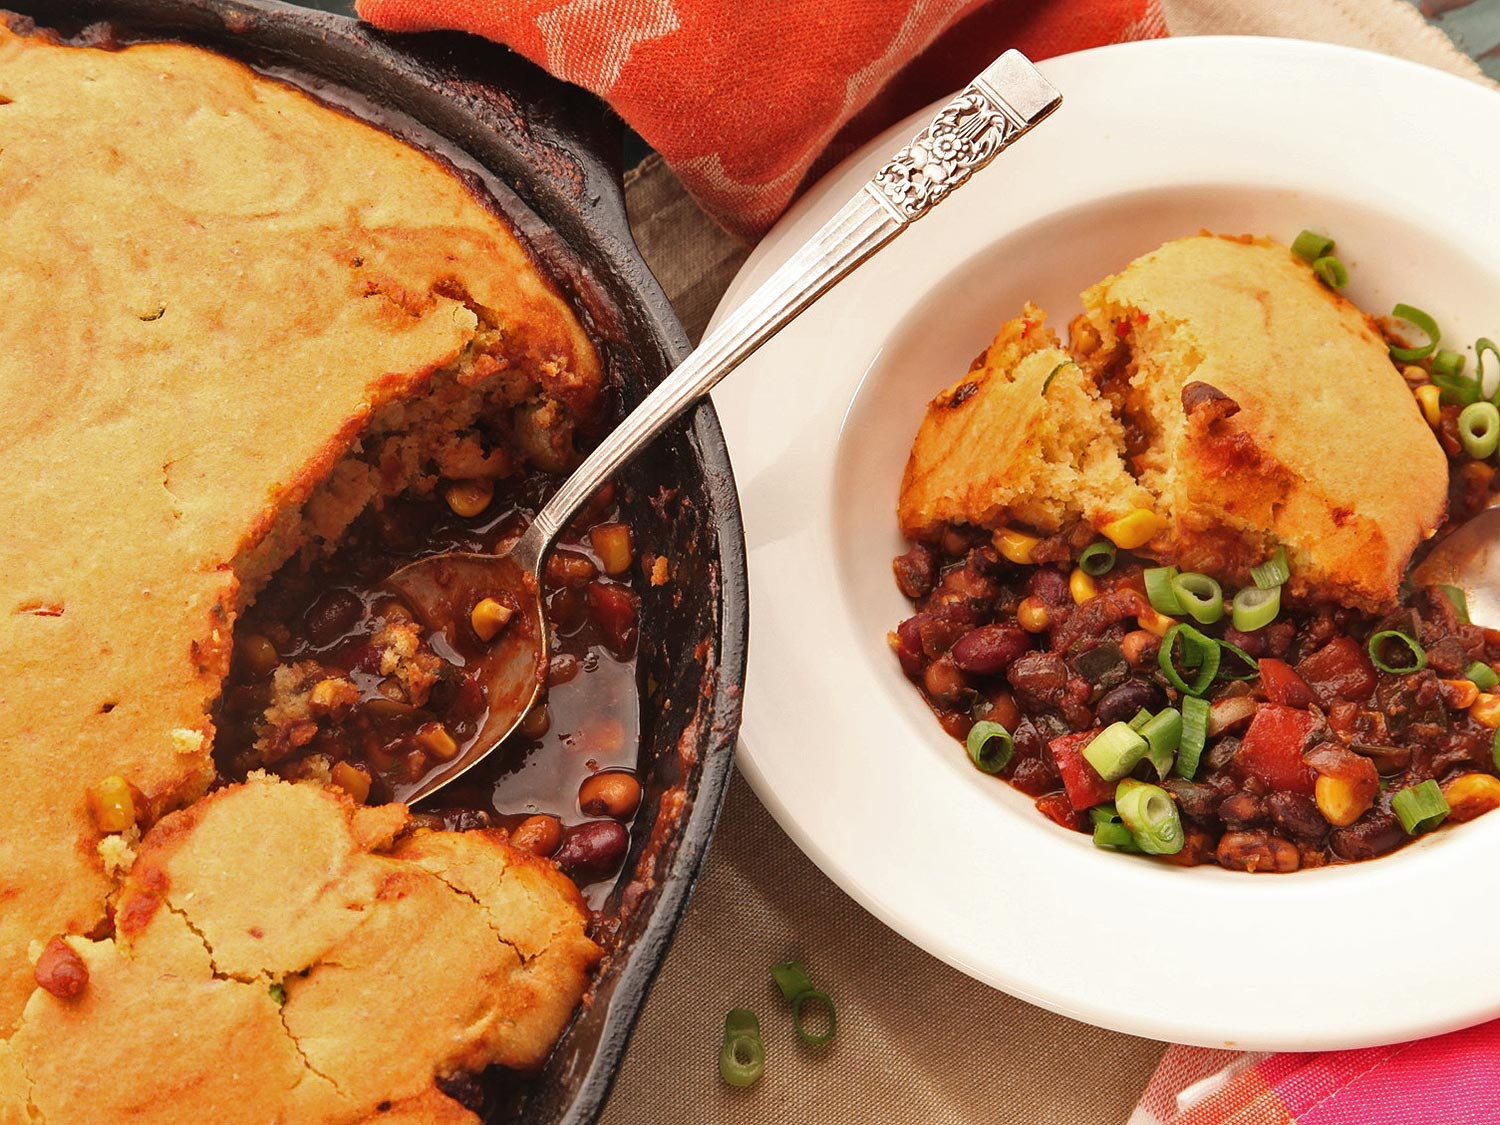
{"x":1469,"y":557}
{"x":999,"y":106}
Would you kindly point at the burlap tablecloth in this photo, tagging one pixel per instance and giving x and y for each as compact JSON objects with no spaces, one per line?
{"x":918,"y":1042}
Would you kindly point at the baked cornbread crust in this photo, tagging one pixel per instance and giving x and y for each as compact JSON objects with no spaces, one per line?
{"x":1327,"y":453}
{"x":227,"y":996}
{"x":232,"y":318}
{"x":1251,"y":397}
{"x":994,"y":447}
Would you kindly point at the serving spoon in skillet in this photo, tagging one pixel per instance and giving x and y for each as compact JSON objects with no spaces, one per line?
{"x":999,"y":106}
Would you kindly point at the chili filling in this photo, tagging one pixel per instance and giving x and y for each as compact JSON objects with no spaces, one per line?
{"x":333,"y":679}
{"x":1317,"y":754}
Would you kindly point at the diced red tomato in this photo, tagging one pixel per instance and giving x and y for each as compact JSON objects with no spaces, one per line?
{"x":1341,"y":669}
{"x":1084,"y":785}
{"x":1058,"y":808}
{"x":1272,"y":750}
{"x":1283,"y":685}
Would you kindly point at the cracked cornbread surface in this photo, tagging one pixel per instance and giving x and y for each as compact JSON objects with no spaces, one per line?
{"x":226,"y":996}
{"x":232,"y":319}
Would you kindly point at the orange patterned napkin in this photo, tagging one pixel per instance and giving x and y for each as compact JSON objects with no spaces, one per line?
{"x":749,"y":100}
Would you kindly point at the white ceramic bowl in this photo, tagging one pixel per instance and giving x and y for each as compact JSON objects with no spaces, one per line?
{"x":1153,"y":141}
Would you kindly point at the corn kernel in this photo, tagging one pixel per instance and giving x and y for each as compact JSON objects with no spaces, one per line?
{"x":1016,"y":545}
{"x":488,"y":617}
{"x":1485,"y":710}
{"x":1428,"y":398}
{"x":352,"y":780}
{"x":112,"y":804}
{"x":436,"y":741}
{"x":1459,"y":694}
{"x":467,"y":498}
{"x":1133,"y":530}
{"x":1413,"y":374}
{"x":1471,"y":795}
{"x":1154,"y":621}
{"x":1082,"y":586}
{"x":1341,"y":801}
{"x":1033,"y":614}
{"x":611,"y":542}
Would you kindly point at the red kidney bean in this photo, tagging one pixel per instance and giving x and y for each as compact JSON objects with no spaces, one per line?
{"x":1034,"y":776}
{"x":1040,"y":680}
{"x":1120,"y":704}
{"x":1049,"y":585}
{"x":331,"y":615}
{"x":60,"y":970}
{"x":990,"y":649}
{"x":592,"y":850}
{"x":1253,"y":643}
{"x":614,"y":608}
{"x":908,"y":647}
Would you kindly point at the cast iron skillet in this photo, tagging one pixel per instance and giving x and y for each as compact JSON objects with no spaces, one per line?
{"x":547,"y":154}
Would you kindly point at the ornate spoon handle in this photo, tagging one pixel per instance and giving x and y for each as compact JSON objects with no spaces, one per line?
{"x":999,"y":106}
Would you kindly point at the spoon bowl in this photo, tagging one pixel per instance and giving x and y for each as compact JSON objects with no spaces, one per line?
{"x":1469,"y":558}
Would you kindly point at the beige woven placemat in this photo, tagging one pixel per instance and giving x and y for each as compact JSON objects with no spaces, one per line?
{"x":918,"y":1042}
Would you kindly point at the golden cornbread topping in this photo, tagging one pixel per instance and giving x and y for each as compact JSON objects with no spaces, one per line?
{"x":238,"y":323}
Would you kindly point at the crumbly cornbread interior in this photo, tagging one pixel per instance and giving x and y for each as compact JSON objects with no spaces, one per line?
{"x":233,"y":318}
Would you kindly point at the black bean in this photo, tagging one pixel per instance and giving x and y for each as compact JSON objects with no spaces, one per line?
{"x":1197,"y":801}
{"x":1296,"y":815}
{"x":1120,"y":704}
{"x":331,"y":615}
{"x":1375,"y":833}
{"x":916,"y":571}
{"x":1039,"y":680}
{"x":1241,"y":810}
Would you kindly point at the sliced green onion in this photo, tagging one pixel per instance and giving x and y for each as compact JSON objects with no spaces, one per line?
{"x":1047,"y":382}
{"x":1479,"y":429}
{"x":1252,"y":665}
{"x":1310,"y":247}
{"x":1482,"y":345}
{"x":1163,"y":734}
{"x":1331,"y":272}
{"x":1200,"y":595}
{"x":821,"y":999}
{"x":1275,"y":571}
{"x":1159,"y":590}
{"x":1459,"y":389}
{"x":1194,"y":735}
{"x":1459,"y":599}
{"x":791,"y":978}
{"x":1378,"y":643}
{"x":743,"y":1058}
{"x":1104,"y":813}
{"x":1421,"y":808}
{"x":1448,"y":362}
{"x":1152,"y":817}
{"x":1495,"y":750}
{"x":1481,"y":675}
{"x":990,"y":746}
{"x":1255,"y":608}
{"x":1198,"y":652}
{"x":1098,"y":558}
{"x":1115,"y":751}
{"x":1114,"y":836}
{"x":278,"y":993}
{"x":1428,"y":326}
{"x":1142,"y":717}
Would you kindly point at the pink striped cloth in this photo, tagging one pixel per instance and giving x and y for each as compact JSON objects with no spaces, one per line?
{"x":1452,"y":1079}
